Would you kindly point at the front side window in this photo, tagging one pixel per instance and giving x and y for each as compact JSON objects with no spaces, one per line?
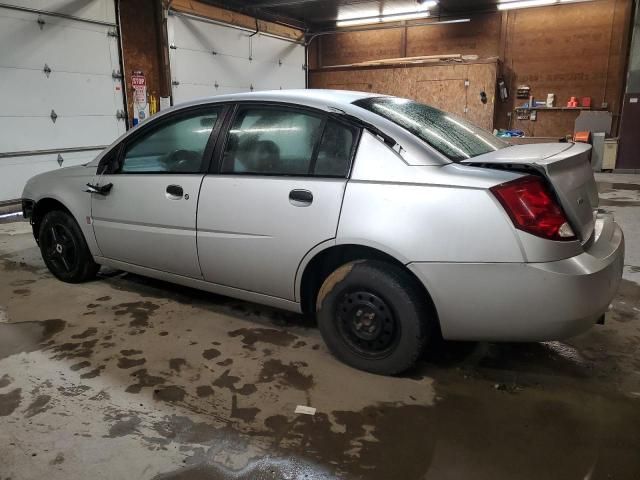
{"x":450,"y":135}
{"x":177,"y":146}
{"x":272,"y":141}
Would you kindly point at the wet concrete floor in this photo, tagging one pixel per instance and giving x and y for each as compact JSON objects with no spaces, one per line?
{"x":126,"y":377}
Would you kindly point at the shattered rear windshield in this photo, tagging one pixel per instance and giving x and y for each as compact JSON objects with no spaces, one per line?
{"x":452,"y":136}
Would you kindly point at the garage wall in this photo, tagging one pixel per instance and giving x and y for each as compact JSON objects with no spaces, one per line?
{"x":570,"y":50}
{"x":140,"y":45}
{"x":454,"y":88}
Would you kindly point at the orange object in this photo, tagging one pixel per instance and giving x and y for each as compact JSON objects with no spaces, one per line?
{"x":581,"y":137}
{"x":585,"y":102}
{"x":572,"y":103}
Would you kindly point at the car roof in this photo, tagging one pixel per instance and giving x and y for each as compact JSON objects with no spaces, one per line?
{"x":339,"y":101}
{"x":317,"y":98}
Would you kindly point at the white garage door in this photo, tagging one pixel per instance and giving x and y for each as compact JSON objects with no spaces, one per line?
{"x":213,"y":59}
{"x":59,"y":92}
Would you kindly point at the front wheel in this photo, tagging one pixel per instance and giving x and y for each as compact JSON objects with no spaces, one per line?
{"x":64,"y":249}
{"x":373,"y":316}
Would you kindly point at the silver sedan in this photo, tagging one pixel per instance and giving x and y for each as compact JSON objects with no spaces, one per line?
{"x":390,"y":220}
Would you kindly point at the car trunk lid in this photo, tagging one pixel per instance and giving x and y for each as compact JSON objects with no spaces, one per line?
{"x":566,"y":166}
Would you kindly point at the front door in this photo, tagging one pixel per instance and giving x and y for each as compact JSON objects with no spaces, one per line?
{"x":148,"y":218}
{"x":277,"y":195}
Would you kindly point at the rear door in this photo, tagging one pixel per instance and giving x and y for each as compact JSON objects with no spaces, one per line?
{"x":149,"y":216}
{"x":276,"y":194}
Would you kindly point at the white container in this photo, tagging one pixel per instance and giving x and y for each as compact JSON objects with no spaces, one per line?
{"x":551,"y":97}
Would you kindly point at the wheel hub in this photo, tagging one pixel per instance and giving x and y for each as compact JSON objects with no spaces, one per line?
{"x":59,"y":248}
{"x":366,"y":322}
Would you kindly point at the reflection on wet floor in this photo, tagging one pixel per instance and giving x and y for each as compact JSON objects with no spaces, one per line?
{"x":616,"y":194}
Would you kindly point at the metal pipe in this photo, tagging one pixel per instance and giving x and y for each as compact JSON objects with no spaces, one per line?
{"x":28,"y":153}
{"x":385,"y":27}
{"x":56,"y":14}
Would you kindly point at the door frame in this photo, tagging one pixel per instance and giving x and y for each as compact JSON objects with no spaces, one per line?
{"x":147,"y":128}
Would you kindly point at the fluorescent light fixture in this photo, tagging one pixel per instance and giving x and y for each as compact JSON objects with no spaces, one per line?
{"x":357,"y":21}
{"x":525,"y":4}
{"x":404,"y":16}
{"x":428,"y":4}
{"x":389,"y":16}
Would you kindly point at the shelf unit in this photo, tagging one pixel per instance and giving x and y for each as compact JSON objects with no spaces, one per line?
{"x":558,"y":108}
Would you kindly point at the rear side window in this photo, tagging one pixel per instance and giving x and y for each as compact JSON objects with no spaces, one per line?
{"x":282,"y":141}
{"x":335,"y":150}
{"x":176,"y":146}
{"x":272,"y":141}
{"x":452,"y":136}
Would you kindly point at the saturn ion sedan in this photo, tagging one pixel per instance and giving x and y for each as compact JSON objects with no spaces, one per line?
{"x":391,"y":221}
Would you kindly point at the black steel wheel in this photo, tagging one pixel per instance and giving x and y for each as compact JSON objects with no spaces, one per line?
{"x":64,"y":249}
{"x":374,"y":317}
{"x":367,"y":323}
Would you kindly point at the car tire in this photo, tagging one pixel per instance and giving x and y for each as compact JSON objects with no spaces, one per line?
{"x":374,"y":317}
{"x":64,"y":249}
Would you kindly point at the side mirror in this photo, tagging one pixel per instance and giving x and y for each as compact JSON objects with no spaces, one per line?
{"x":108,"y":164}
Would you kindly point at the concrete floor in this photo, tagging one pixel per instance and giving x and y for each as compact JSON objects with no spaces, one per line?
{"x":126,"y":377}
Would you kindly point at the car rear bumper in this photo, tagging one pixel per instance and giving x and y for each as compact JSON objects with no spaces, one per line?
{"x":527,"y":301}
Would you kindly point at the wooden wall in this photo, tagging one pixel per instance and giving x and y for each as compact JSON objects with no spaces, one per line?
{"x":570,"y":50}
{"x":140,"y":45}
{"x":452,"y":87}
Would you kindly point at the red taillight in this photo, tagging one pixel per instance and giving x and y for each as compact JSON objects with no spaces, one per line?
{"x":533,"y":209}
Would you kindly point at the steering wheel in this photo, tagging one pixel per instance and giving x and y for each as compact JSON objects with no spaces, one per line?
{"x":182,"y":161}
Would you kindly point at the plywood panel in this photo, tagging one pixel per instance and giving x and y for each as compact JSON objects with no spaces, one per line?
{"x":442,"y":86}
{"x":357,"y":47}
{"x":441,"y":93}
{"x":480,"y":37}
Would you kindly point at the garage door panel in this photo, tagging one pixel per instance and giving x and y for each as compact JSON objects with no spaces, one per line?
{"x":189,"y":34}
{"x":269,"y":49}
{"x":186,"y":91}
{"x":209,"y":69}
{"x":270,"y":78}
{"x":96,"y":10}
{"x":84,"y":50}
{"x":14,"y":172}
{"x":80,"y":87}
{"x":67,"y":93}
{"x":18,"y":134}
{"x":275,"y":63}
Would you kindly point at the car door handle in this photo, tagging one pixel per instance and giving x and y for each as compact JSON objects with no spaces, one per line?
{"x":174,"y":192}
{"x":300,"y":198}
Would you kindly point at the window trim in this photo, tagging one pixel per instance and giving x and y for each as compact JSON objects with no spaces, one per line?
{"x":221,"y":145}
{"x":147,"y":129}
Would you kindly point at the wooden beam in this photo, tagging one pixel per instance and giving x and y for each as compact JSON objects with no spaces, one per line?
{"x":234,"y":18}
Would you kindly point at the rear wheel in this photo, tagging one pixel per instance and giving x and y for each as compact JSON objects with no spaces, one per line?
{"x":64,"y":249}
{"x":373,"y":317}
